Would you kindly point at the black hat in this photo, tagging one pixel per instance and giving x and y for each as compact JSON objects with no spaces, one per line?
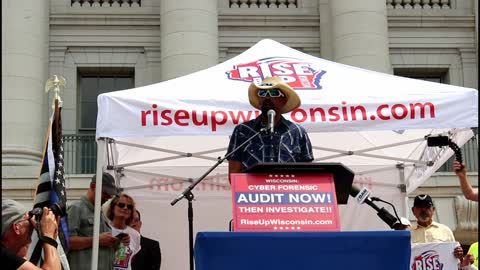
{"x":108,"y":184}
{"x":422,"y":200}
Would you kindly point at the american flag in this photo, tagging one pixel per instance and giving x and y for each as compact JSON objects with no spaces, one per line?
{"x":51,"y":187}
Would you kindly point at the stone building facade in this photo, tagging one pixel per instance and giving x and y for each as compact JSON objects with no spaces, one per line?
{"x":124,"y":44}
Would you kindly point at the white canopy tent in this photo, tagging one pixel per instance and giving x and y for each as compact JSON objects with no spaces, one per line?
{"x":159,"y":138}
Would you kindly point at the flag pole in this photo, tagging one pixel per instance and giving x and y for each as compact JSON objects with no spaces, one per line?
{"x":57,"y":116}
{"x":53,"y":83}
{"x":50,"y":190}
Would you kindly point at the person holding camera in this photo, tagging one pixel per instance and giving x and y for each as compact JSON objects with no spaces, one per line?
{"x":80,"y":228}
{"x":17,"y":228}
{"x":469,"y":192}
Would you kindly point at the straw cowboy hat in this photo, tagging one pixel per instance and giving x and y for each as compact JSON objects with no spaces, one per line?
{"x":293,"y":101}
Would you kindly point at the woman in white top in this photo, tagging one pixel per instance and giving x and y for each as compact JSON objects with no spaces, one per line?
{"x":120,"y":211}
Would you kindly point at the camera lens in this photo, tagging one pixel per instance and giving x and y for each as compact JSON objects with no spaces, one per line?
{"x":56,"y":208}
{"x":37,"y":212}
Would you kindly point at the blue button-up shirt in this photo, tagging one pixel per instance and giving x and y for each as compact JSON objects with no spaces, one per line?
{"x":288,"y":143}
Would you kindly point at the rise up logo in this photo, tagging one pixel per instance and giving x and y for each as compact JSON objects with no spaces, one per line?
{"x":428,"y":260}
{"x":297,"y":73}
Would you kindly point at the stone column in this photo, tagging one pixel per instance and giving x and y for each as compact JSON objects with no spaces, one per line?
{"x":25,"y":41}
{"x":189,"y":36}
{"x":326,"y":44}
{"x":360,"y":34}
{"x":469,"y":67}
{"x":476,"y":29}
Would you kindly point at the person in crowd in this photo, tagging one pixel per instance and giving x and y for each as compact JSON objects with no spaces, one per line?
{"x":23,"y":252}
{"x":428,"y":230}
{"x":149,"y":257}
{"x":17,"y":228}
{"x":120,"y":210}
{"x":467,"y":263}
{"x":473,"y":250}
{"x":288,"y":143}
{"x":80,"y":227}
{"x":468,"y":191}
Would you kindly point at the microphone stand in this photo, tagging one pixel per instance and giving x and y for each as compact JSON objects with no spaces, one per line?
{"x":383,"y":214}
{"x":386,"y":216}
{"x":380,"y":200}
{"x":187,"y":194}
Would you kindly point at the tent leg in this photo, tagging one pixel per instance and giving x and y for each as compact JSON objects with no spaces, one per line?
{"x":101,"y":143}
{"x":403,"y":190}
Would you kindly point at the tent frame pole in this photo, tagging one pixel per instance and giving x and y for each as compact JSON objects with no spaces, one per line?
{"x":101,"y":143}
{"x":403,"y":190}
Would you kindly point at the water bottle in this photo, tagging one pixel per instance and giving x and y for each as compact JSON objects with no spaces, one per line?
{"x":121,"y":252}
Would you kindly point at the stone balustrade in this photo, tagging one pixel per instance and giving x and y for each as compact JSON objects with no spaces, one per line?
{"x":263,"y":3}
{"x":391,"y":4}
{"x":106,"y":3}
{"x":419,"y":4}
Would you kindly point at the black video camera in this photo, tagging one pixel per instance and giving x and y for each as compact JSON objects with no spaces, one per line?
{"x":56,"y":208}
{"x":440,"y":141}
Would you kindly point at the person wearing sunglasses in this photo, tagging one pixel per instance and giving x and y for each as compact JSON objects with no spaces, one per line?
{"x":288,"y":142}
{"x":80,"y":228}
{"x":120,"y":212}
{"x":16,"y":233}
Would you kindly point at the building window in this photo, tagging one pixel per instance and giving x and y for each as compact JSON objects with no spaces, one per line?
{"x":438,"y":75}
{"x":80,"y":150}
{"x":93,"y":82}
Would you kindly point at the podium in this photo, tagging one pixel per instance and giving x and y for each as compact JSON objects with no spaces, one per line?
{"x":342,"y":176}
{"x":359,"y":250}
{"x":289,"y":196}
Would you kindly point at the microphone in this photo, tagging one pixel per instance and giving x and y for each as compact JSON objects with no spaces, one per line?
{"x":362,"y":196}
{"x":376,"y":199}
{"x":271,"y":120}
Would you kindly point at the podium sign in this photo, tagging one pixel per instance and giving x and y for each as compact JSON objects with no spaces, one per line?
{"x":284,"y":202}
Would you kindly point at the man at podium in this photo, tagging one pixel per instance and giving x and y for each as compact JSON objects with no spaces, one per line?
{"x":280,"y":140}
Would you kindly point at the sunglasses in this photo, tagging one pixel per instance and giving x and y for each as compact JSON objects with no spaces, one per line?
{"x":274,"y":92}
{"x":122,"y":205}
